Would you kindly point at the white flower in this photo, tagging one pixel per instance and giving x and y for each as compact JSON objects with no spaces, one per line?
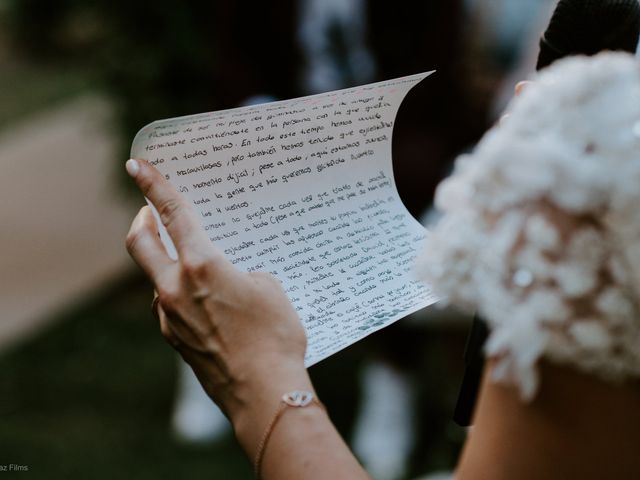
{"x":572,"y":144}
{"x":574,"y":279}
{"x":618,"y":270}
{"x":591,"y":335}
{"x":615,"y":304}
{"x":534,"y":260}
{"x":541,"y":233}
{"x":546,"y":305}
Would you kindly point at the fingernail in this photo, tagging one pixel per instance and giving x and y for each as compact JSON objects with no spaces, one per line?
{"x":133,"y":167}
{"x":504,"y":118}
{"x":520,"y":86}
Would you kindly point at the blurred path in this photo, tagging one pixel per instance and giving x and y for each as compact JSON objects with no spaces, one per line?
{"x":62,"y":225}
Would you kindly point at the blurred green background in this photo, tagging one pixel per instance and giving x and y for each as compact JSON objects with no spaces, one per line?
{"x":87,"y":385}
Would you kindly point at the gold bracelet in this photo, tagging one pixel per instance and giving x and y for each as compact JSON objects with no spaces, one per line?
{"x":296,"y":399}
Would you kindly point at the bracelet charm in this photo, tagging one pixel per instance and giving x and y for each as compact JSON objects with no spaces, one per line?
{"x":296,"y":399}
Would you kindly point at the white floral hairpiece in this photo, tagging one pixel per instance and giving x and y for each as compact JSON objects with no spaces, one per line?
{"x":570,"y":145}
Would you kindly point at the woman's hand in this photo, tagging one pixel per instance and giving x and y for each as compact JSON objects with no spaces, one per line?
{"x":237,"y":330}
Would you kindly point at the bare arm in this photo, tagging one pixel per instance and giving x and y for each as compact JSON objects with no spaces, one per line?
{"x":241,"y":336}
{"x":577,"y":427}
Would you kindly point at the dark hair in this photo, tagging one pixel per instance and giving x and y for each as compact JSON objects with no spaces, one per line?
{"x":588,"y":27}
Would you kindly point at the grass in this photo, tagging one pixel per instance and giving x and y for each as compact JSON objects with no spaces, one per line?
{"x":91,"y":397}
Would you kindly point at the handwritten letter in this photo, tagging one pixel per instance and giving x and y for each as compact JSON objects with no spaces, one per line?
{"x":304,"y":189}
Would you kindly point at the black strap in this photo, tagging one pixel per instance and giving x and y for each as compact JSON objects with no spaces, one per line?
{"x":474,"y":364}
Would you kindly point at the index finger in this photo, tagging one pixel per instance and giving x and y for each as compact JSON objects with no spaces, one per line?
{"x":176,"y":214}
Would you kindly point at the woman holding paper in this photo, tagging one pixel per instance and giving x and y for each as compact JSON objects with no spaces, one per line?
{"x":540,"y":235}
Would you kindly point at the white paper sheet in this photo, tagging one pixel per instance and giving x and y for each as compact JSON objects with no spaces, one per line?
{"x":304,"y":189}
